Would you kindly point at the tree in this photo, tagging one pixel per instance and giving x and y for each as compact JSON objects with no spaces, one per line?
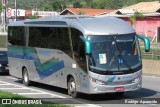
{"x":89,"y":2}
{"x":133,"y":17}
{"x":80,"y":12}
{"x":58,"y":5}
{"x":114,"y":4}
{"x":0,"y":7}
{"x":77,"y":4}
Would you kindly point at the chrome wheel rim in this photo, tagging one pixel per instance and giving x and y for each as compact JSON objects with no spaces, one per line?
{"x":25,"y":77}
{"x":72,"y":86}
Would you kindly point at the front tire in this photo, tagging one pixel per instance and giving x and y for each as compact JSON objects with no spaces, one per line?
{"x":25,"y":77}
{"x":72,"y":88}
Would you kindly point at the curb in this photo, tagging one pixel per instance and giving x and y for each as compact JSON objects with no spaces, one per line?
{"x":152,"y":75}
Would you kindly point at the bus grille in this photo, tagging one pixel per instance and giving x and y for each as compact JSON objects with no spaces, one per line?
{"x":119,"y":83}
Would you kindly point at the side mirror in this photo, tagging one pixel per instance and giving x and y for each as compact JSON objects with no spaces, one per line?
{"x":146,"y":42}
{"x":87,"y":45}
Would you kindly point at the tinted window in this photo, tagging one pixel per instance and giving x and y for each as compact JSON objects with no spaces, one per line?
{"x":50,"y":37}
{"x":16,"y":36}
{"x":79,"y":49}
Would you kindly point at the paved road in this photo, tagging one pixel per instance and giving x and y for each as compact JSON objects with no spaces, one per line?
{"x":150,"y":89}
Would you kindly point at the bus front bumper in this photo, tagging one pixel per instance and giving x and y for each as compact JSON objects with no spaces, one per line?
{"x":98,"y":89}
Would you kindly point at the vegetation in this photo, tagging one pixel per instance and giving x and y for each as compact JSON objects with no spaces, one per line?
{"x":154,"y":53}
{"x":59,"y":5}
{"x":133,"y":17}
{"x":3,"y":40}
{"x":8,"y":95}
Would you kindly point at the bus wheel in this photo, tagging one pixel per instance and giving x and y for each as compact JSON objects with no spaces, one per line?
{"x":25,"y":77}
{"x":72,"y":88}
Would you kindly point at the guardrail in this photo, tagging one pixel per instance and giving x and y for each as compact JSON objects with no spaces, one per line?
{"x":152,"y":55}
{"x":3,"y":33}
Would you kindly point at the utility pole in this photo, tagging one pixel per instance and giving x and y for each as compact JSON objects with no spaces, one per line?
{"x":16,"y":10}
{"x":4,"y":14}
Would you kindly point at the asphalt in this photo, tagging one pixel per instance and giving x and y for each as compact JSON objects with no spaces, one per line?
{"x":150,"y":91}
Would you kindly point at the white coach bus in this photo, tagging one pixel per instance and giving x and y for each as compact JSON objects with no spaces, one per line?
{"x":80,"y":53}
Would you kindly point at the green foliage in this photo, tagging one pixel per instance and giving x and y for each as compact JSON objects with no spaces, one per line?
{"x":133,"y":17}
{"x":80,"y":13}
{"x":59,"y":5}
{"x":77,"y":4}
{"x":3,"y":41}
{"x":32,"y":17}
{"x":0,"y":7}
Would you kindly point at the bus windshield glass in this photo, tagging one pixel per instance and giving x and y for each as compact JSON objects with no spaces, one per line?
{"x":114,"y":53}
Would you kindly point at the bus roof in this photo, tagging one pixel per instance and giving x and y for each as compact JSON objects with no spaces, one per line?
{"x":88,"y":25}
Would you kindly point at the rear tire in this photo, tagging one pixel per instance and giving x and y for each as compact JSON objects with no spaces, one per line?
{"x":25,"y":77}
{"x":72,"y":88}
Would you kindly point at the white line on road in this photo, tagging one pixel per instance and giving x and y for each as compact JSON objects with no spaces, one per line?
{"x":13,"y":88}
{"x":12,"y":78}
{"x":88,"y":105}
{"x":4,"y":84}
{"x":59,"y":96}
{"x":43,"y":92}
{"x":29,"y":93}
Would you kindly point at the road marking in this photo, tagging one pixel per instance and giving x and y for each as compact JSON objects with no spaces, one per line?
{"x":29,"y":93}
{"x":4,"y":84}
{"x":59,"y":96}
{"x":88,"y":105}
{"x":12,"y":88}
{"x":43,"y":92}
{"x":13,"y":78}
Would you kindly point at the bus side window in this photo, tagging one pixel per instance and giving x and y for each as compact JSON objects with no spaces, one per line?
{"x":81,"y":52}
{"x":79,"y":49}
{"x":16,"y":36}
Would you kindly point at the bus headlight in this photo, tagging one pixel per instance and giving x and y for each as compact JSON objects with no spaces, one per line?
{"x":0,"y":65}
{"x":99,"y":82}
{"x":136,"y":79}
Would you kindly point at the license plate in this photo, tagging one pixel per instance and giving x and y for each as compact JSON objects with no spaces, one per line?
{"x":119,"y":88}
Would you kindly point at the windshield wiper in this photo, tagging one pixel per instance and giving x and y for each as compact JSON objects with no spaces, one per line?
{"x":116,"y":53}
{"x":121,"y":56}
{"x":117,"y":56}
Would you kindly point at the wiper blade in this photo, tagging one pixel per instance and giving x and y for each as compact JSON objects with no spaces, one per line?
{"x":117,"y":56}
{"x":121,"y":56}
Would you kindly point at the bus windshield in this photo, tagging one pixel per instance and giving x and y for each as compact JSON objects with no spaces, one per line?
{"x":114,"y":53}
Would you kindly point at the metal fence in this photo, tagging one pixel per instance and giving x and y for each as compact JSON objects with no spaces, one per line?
{"x":154,"y":53}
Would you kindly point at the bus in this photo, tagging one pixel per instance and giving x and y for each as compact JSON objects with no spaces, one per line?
{"x":83,"y":54}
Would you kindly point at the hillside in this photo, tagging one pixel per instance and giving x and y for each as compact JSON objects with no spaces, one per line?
{"x":59,"y":5}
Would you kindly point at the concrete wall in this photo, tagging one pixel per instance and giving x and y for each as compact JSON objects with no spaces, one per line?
{"x":151,"y":67}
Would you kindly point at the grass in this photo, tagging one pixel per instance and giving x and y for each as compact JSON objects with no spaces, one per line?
{"x":8,"y":95}
{"x":3,"y":40}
